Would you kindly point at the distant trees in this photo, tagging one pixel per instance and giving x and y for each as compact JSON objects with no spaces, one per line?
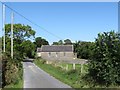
{"x":60,"y":42}
{"x":39,"y":41}
{"x":84,"y":49}
{"x":67,"y":42}
{"x":55,"y":43}
{"x":28,"y":48}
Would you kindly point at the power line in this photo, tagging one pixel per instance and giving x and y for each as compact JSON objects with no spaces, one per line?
{"x":32,"y":22}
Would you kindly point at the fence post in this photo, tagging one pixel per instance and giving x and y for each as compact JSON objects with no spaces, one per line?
{"x":66,"y":66}
{"x":82,"y":68}
{"x":74,"y":66}
{"x":46,"y":62}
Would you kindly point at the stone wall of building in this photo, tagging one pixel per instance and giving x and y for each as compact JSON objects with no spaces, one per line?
{"x":57,"y":55}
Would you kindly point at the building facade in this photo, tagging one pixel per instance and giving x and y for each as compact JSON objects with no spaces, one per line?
{"x":56,"y":52}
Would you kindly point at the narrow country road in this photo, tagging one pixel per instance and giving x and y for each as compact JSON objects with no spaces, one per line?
{"x":35,"y":77}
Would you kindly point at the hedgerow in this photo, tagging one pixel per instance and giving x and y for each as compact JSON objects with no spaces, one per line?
{"x":104,"y":68}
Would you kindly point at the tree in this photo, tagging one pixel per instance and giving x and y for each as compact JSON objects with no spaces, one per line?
{"x":60,"y":42}
{"x":20,"y":34}
{"x":12,"y":68}
{"x":84,"y":49}
{"x":28,"y":48}
{"x":55,"y":43}
{"x":67,"y":42}
{"x":104,"y":68}
{"x":39,"y":41}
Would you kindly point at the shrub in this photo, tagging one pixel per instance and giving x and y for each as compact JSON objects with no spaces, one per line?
{"x":11,"y":70}
{"x":104,"y":68}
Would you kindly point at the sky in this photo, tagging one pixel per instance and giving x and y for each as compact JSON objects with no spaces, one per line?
{"x":67,"y":20}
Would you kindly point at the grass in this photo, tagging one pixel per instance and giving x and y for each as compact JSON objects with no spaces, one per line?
{"x":70,"y":77}
{"x":19,"y":85}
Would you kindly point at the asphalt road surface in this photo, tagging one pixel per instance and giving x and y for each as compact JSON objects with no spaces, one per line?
{"x":35,"y":77}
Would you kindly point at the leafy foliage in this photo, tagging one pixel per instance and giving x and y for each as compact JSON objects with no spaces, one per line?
{"x":20,"y":35}
{"x":12,"y":69}
{"x":20,"y":32}
{"x":28,"y":48}
{"x":55,"y":43}
{"x":84,"y":50}
{"x":67,"y":42}
{"x":104,"y":68}
{"x":39,"y":41}
{"x":60,"y":42}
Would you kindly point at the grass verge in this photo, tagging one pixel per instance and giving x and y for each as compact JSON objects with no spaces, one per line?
{"x":19,"y":85}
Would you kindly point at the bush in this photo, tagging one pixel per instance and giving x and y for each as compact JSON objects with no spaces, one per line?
{"x":12,"y":70}
{"x":104,"y":68}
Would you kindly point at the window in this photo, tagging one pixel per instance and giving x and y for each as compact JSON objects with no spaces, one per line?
{"x":49,"y":54}
{"x":56,"y":54}
{"x":64,"y":53}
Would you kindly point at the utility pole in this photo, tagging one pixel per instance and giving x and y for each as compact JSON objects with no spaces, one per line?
{"x":119,"y":17}
{"x":3,"y":22}
{"x":12,"y":17}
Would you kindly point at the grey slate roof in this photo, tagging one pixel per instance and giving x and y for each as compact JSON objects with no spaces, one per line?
{"x":56,"y":48}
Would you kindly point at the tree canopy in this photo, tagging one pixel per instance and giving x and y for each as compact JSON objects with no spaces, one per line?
{"x":39,"y":41}
{"x":67,"y":42}
{"x":61,"y":42}
{"x":84,"y":49}
{"x":20,"y":34}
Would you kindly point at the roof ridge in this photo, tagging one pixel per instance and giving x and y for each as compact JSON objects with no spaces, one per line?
{"x":57,"y":48}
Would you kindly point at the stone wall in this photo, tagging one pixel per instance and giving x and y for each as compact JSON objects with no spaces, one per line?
{"x":58,"y":55}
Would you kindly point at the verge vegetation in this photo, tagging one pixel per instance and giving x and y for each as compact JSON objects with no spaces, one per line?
{"x":12,"y":72}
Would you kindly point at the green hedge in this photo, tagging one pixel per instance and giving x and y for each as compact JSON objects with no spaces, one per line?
{"x":11,"y":70}
{"x":104,"y":68}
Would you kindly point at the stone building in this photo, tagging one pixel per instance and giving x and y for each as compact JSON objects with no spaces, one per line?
{"x":56,"y":52}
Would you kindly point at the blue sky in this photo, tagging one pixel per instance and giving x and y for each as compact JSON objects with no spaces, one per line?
{"x":75,"y":21}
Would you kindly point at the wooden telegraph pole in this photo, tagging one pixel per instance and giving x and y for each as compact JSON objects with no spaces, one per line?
{"x":12,"y":17}
{"x":3,"y":22}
